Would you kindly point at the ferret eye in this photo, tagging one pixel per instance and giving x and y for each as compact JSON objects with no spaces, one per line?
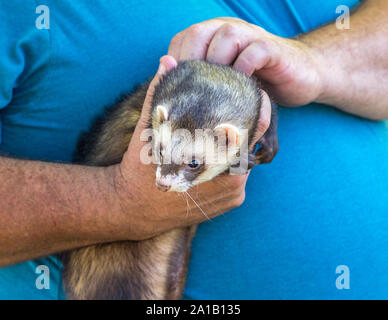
{"x":193,"y":164}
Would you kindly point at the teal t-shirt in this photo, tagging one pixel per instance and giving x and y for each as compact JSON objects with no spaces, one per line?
{"x":321,"y":204}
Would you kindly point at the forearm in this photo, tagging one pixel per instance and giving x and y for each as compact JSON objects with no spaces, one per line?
{"x":355,"y":61}
{"x":46,"y":208}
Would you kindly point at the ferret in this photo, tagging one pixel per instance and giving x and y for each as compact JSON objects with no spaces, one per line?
{"x":195,"y":95}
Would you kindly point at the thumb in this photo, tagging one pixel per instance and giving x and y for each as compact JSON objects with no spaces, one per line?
{"x":264,"y":119}
{"x":167,"y":63}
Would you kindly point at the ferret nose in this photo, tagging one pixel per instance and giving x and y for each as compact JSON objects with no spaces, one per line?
{"x":162,"y":187}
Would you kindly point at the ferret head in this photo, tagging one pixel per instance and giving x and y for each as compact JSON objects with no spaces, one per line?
{"x":201,"y":115}
{"x":189,"y":157}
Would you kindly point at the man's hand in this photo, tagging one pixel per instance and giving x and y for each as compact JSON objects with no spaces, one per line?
{"x":344,"y":68}
{"x":148,"y":211}
{"x":288,"y":69}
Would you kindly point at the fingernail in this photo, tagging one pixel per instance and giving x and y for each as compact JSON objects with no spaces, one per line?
{"x":162,"y":69}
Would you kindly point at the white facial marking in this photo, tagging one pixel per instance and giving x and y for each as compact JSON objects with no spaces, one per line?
{"x":177,"y":183}
{"x":158,"y":169}
{"x":162,"y":112}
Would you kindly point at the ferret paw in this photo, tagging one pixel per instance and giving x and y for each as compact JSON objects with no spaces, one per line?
{"x":251,"y":160}
{"x":269,"y":149}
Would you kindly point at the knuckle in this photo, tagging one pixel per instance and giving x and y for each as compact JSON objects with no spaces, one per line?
{"x":270,"y":46}
{"x":263,"y":44}
{"x":195,"y":30}
{"x":176,"y":40}
{"x":239,"y":200}
{"x":236,"y":183}
{"x":259,"y":29}
{"x":229,"y":30}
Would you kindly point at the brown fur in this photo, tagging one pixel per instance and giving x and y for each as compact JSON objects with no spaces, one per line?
{"x":150,"y":269}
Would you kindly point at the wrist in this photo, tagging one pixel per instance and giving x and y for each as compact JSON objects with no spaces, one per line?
{"x":105,"y":215}
{"x":329,"y":68}
{"x":117,"y":216}
{"x":332,"y":79}
{"x":129,"y":215}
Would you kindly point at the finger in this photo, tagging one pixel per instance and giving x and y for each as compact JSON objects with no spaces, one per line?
{"x":197,"y":39}
{"x":228,"y":41}
{"x":175,"y":46}
{"x":264,"y":119}
{"x":260,"y":54}
{"x":225,"y":186}
{"x":167,"y":63}
{"x":214,"y":203}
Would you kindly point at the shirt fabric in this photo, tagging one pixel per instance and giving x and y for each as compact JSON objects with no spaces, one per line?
{"x":321,"y":204}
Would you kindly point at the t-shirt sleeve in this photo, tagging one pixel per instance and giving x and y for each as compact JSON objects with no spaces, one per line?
{"x":19,"y":43}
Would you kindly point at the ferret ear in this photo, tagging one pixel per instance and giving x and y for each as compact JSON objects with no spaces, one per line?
{"x":161,"y":113}
{"x":231,"y":132}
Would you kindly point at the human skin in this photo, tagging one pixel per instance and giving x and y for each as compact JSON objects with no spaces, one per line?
{"x":47,"y":208}
{"x":347,"y":69}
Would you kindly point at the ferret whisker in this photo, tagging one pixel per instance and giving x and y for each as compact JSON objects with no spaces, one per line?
{"x":199,"y":199}
{"x":203,"y":212}
{"x":184,"y":197}
{"x":187,"y":205}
